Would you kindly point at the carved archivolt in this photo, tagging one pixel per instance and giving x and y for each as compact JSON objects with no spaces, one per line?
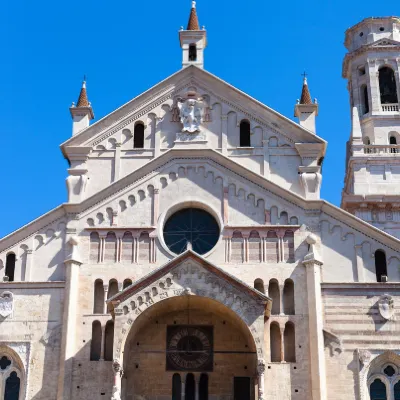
{"x":189,"y":279}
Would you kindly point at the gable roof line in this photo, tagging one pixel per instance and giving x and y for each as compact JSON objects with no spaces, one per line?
{"x":250,"y":176}
{"x":146,"y":280}
{"x":191,"y":70}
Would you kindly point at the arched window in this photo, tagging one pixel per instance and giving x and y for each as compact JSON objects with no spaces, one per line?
{"x":237,"y":247}
{"x":245,"y":134}
{"x":176,"y":387}
{"x":273,"y":293}
{"x":284,"y":218}
{"x":127,"y":283}
{"x":271,"y":248}
{"x":254,"y":247}
{"x":203,"y":387}
{"x":288,"y":297}
{"x":259,"y":285}
{"x":393,"y":142}
{"x":192,"y":52}
{"x":144,"y":247}
{"x":275,"y":342}
{"x":288,"y":247}
{"x":127,"y":248}
{"x":289,"y":342}
{"x":13,"y":385}
{"x":396,"y":390}
{"x":138,"y":136}
{"x":377,"y":390}
{"x":109,"y":341}
{"x":94,"y":247}
{"x":112,"y":291}
{"x":95,"y":344}
{"x":380,"y":266}
{"x":364,"y":99}
{"x":387,"y":86}
{"x":10,"y":267}
{"x":98,"y":306}
{"x":190,"y":387}
{"x":110,"y":248}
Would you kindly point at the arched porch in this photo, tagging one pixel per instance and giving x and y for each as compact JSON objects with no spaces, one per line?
{"x":189,"y":323}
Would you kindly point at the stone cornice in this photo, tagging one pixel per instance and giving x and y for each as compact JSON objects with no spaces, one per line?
{"x":32,"y":285}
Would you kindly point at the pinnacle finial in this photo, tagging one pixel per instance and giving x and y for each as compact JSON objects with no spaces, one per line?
{"x":193,"y":24}
{"x":305,"y":92}
{"x":193,"y":4}
{"x":83,"y":99}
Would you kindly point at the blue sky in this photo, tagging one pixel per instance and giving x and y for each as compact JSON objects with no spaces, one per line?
{"x":261,"y":47}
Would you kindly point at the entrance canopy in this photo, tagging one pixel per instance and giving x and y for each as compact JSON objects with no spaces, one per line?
{"x":189,"y":274}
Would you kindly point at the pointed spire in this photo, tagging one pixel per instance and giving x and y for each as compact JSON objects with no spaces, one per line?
{"x":193,"y":24}
{"x":305,"y":93}
{"x":83,"y":99}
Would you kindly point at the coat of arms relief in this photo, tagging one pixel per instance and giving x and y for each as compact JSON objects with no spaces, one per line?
{"x":6,"y":304}
{"x":191,"y":115}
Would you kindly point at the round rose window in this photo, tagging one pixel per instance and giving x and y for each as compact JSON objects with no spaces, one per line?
{"x":191,"y":228}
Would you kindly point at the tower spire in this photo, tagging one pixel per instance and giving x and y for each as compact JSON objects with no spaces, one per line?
{"x":193,"y":41}
{"x":82,"y":112}
{"x":193,"y":23}
{"x":306,"y":110}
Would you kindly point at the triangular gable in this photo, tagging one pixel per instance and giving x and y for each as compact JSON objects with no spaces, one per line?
{"x":214,"y":85}
{"x":170,"y":265}
{"x":386,"y":42}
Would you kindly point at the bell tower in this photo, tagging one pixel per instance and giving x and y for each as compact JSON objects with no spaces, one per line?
{"x":193,"y":41}
{"x":371,"y":66}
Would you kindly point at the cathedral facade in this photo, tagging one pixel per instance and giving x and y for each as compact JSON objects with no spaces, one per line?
{"x":194,"y":258}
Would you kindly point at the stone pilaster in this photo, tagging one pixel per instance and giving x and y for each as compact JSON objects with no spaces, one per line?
{"x":261,"y":379}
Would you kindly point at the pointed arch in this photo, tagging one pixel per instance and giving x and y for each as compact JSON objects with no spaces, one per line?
{"x":138,"y":135}
{"x":245,"y":133}
{"x":377,"y":390}
{"x":12,"y":387}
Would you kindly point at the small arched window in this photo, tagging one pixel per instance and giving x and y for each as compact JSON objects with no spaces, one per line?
{"x":364,"y":99}
{"x":190,"y":387}
{"x":94,"y":247}
{"x":387,"y":86}
{"x":289,"y":342}
{"x":393,"y":142}
{"x":176,"y":387}
{"x":203,"y":387}
{"x":127,"y":283}
{"x":138,"y":136}
{"x":10,"y":267}
{"x":380,"y":266}
{"x":275,"y":342}
{"x":110,"y":248}
{"x":288,"y":297}
{"x":259,"y":285}
{"x":95,"y":344}
{"x":98,"y":306}
{"x":273,"y":293}
{"x":109,"y":341}
{"x":192,"y":52}
{"x":377,"y":390}
{"x":245,"y":134}
{"x":13,"y":385}
{"x":112,"y":291}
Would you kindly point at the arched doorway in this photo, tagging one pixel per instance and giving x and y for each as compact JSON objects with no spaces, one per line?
{"x":193,"y":341}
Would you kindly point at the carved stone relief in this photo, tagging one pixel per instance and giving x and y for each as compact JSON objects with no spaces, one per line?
{"x":6,"y":304}
{"x":386,"y":307}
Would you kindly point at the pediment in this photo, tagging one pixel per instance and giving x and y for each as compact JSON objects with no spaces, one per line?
{"x":386,"y":42}
{"x":163,"y":95}
{"x":189,"y":274}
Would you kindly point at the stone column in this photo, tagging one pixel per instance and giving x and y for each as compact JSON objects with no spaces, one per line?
{"x":197,"y":387}
{"x":156,"y":206}
{"x":360,"y":264}
{"x":103,"y":331}
{"x":116,"y":391}
{"x":266,"y":169}
{"x":68,"y":340}
{"x":28,"y":266}
{"x":157,"y":136}
{"x":226,"y":205}
{"x":315,"y":322}
{"x":117,"y":161}
{"x":105,"y":298}
{"x":224,"y":134}
{"x":261,"y":378}
{"x":282,"y":330}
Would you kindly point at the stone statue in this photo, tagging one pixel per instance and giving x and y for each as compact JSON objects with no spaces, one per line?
{"x":386,"y":306}
{"x":191,"y":114}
